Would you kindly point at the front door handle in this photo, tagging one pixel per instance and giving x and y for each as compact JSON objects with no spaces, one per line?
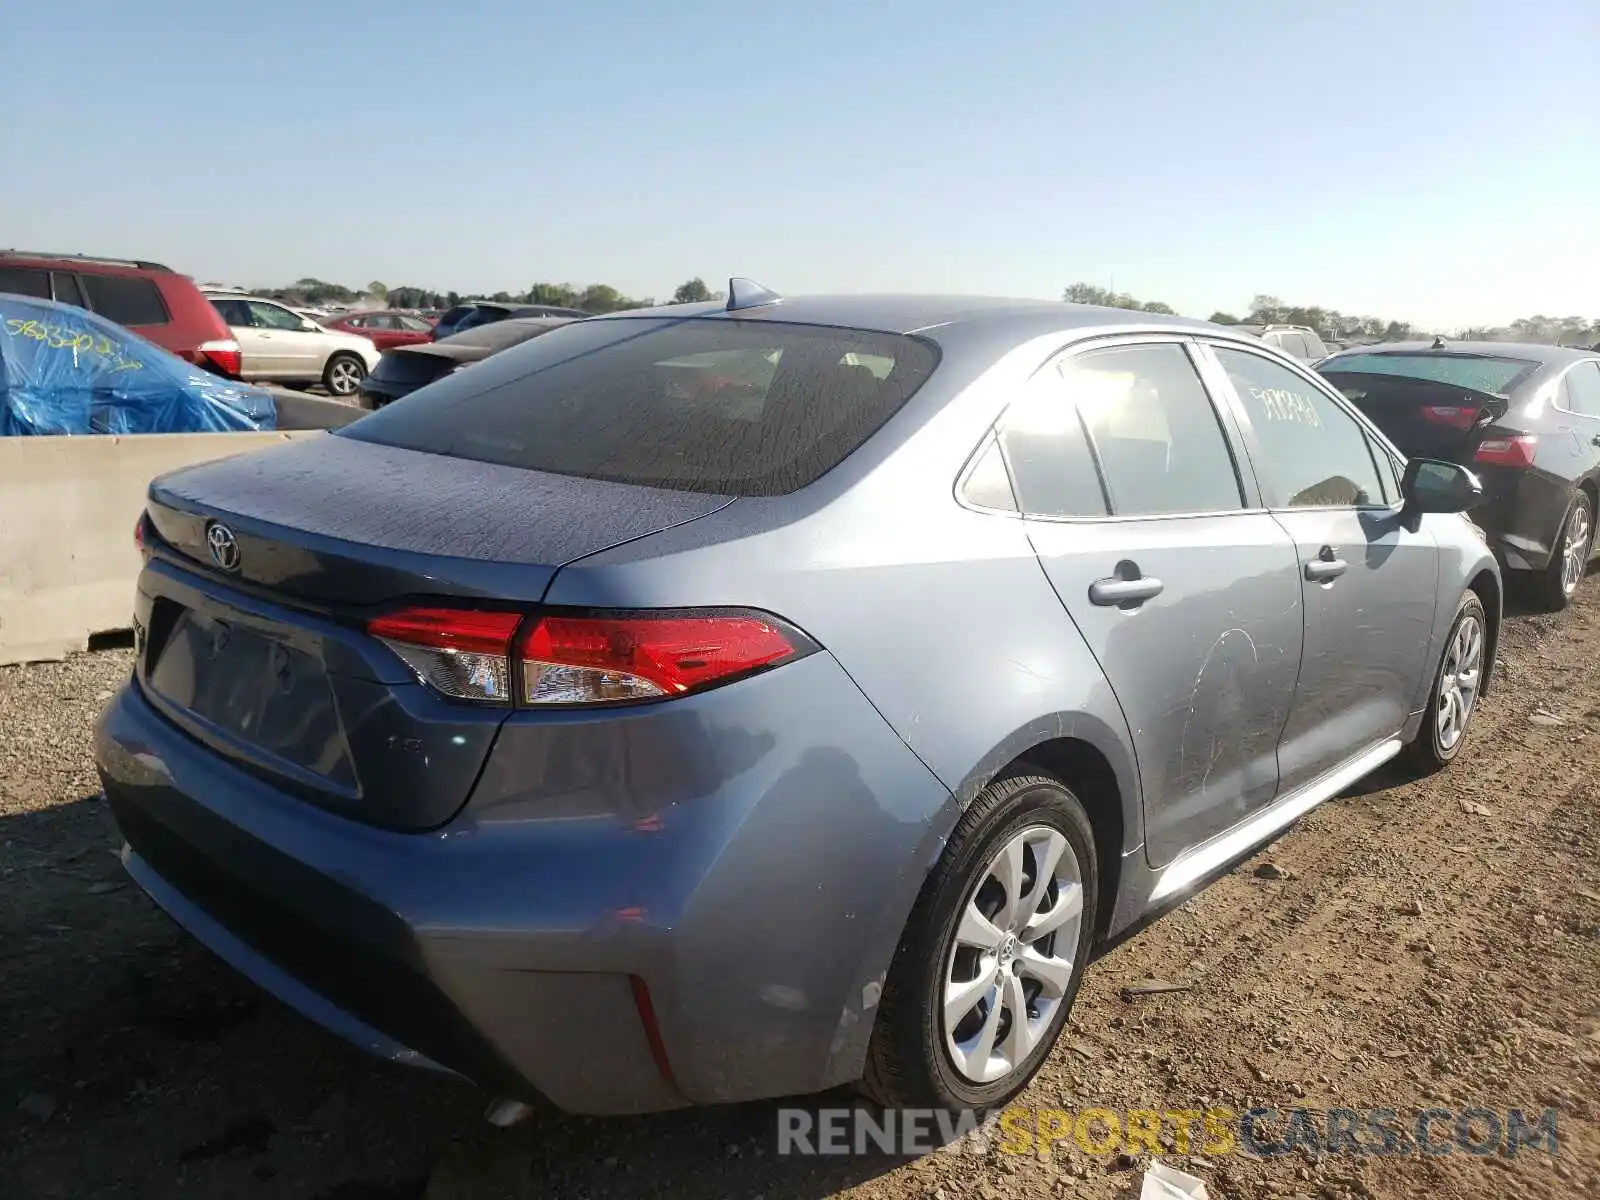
{"x":1325,"y":567}
{"x":1124,"y":592}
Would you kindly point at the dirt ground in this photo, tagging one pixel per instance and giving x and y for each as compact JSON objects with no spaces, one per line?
{"x":1412,"y":944}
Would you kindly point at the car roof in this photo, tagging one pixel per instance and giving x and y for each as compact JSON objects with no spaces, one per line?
{"x":1546,"y":356}
{"x":935,"y":316}
{"x":210,"y":294}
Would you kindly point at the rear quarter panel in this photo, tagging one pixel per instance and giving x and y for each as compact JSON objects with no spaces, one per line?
{"x":940,"y":615}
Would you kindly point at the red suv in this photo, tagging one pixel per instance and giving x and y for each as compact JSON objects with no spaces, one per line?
{"x":154,"y":301}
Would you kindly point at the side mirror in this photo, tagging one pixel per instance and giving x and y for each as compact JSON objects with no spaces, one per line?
{"x":1432,"y":485}
{"x":307,"y":326}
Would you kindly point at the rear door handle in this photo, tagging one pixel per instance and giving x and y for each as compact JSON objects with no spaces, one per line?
{"x":1124,"y":593}
{"x":1325,"y":567}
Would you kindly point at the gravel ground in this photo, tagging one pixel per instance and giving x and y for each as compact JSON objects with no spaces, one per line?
{"x":1415,"y":943}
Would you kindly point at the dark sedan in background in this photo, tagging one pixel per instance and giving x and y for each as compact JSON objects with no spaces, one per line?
{"x":1525,"y":418}
{"x":474,"y":313}
{"x":404,"y":369}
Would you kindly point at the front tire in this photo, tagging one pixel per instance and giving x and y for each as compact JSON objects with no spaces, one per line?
{"x":1457,"y":684}
{"x":1555,"y":585}
{"x":992,"y":957}
{"x":343,"y":374}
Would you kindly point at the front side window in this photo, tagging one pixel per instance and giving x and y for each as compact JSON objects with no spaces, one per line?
{"x":1316,"y":454}
{"x":270,"y":316}
{"x":720,"y":406}
{"x":126,"y":299}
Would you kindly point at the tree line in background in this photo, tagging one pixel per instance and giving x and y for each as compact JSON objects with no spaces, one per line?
{"x":595,"y":298}
{"x":1329,"y":322}
{"x":1264,"y":310}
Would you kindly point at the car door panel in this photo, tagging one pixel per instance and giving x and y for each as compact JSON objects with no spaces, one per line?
{"x":1204,"y":670}
{"x":1369,"y":582}
{"x":1193,"y":616}
{"x":1367,"y":632}
{"x":291,"y":353}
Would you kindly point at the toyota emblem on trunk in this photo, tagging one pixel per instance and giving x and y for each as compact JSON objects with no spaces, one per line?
{"x":224,"y":546}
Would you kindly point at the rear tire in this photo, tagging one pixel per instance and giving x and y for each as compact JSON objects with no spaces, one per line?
{"x":1555,"y":586}
{"x":948,"y":1034}
{"x":1453,"y":698}
{"x":343,"y":374}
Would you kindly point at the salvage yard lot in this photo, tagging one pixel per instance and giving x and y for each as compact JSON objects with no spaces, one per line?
{"x":1419,"y":944}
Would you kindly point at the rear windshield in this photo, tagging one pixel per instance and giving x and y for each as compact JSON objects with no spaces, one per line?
{"x":1479,"y":372}
{"x":727,"y":407}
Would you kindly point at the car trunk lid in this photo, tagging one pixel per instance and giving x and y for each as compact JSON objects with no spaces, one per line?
{"x":265,"y":570}
{"x":1424,"y":417}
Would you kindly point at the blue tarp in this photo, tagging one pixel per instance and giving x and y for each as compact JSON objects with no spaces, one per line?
{"x":64,"y":370}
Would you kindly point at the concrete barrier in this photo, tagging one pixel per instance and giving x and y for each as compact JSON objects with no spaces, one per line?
{"x":67,"y":510}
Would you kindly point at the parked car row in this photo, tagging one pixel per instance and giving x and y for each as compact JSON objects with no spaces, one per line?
{"x":1524,"y":418}
{"x":802,"y":689}
{"x":241,"y":336}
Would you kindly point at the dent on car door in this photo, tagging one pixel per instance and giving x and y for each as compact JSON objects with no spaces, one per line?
{"x":1370,"y":584}
{"x":1187,"y":598}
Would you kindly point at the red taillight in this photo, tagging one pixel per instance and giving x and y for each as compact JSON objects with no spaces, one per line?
{"x":587,"y":660}
{"x":223,"y":356}
{"x":1456,"y":418}
{"x":592,"y":659}
{"x":1507,"y":451}
{"x":463,"y":653}
{"x":138,"y":534}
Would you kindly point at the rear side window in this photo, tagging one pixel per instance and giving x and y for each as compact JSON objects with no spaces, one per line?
{"x":234,"y":312}
{"x":21,"y":281}
{"x":67,"y":290}
{"x":126,"y":299}
{"x":1290,"y":343}
{"x":721,"y":406}
{"x":1051,"y":464}
{"x":1144,"y":414}
{"x":1583,"y":389}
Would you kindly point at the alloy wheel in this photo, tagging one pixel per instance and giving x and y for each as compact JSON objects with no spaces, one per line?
{"x":344,"y":377}
{"x":1011,"y":959}
{"x":1575,"y":549}
{"x":1459,"y":682}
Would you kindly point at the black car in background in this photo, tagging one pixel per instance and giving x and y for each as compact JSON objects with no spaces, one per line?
{"x":404,"y":369}
{"x":474,"y":313}
{"x":1524,"y":418}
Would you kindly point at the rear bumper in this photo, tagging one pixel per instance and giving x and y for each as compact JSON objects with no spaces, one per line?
{"x":758,"y":912}
{"x":375,"y":393}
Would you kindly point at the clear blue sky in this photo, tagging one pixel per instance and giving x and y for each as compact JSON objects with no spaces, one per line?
{"x":1431,"y":160}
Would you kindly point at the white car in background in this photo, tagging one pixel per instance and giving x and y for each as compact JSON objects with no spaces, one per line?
{"x":278,"y":345}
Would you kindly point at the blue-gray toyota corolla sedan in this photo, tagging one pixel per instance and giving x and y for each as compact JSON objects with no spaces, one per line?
{"x":736,"y":700}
